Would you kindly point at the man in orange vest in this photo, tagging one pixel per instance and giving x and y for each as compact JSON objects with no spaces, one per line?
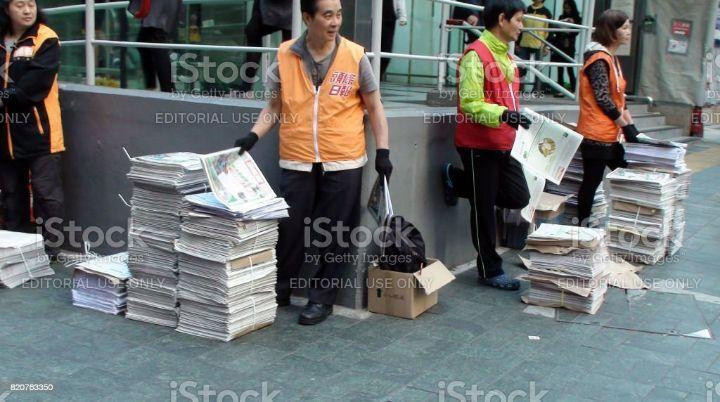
{"x":323,"y":84}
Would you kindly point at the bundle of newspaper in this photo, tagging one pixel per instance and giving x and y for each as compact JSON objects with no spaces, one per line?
{"x":227,"y":272}
{"x":642,"y":214}
{"x":570,"y":186}
{"x":567,"y":267}
{"x":101,"y":284}
{"x":665,"y":157}
{"x":160,"y":183}
{"x":226,"y":299}
{"x":228,"y":268}
{"x":22,"y":258}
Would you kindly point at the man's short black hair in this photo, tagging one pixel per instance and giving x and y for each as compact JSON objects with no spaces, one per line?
{"x":308,"y":6}
{"x":494,"y":8}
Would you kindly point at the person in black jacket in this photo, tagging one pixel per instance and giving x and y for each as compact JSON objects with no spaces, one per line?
{"x":472,"y":17}
{"x":268,"y":17}
{"x":32,"y":141}
{"x":565,"y":41}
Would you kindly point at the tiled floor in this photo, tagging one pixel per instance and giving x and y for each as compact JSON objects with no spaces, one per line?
{"x":475,"y":341}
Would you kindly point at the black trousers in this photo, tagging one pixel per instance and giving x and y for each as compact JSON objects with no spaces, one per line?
{"x":155,"y":62}
{"x":254,"y":32}
{"x":526,"y":53}
{"x":489,"y":179}
{"x":387,"y":36}
{"x":596,"y":158}
{"x":318,"y":202}
{"x":561,"y":70}
{"x":43,"y":174}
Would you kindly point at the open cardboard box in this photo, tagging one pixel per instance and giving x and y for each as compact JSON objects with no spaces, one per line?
{"x":406,"y":295}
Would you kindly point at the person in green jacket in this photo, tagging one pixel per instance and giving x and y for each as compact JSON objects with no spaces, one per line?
{"x":488,"y":117}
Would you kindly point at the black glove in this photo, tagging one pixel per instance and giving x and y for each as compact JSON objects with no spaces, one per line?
{"x":382,"y":163}
{"x":631,"y":133}
{"x":515,"y":119}
{"x":246,"y":143}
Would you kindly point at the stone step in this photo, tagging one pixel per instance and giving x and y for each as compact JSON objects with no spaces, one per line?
{"x":649,"y":120}
{"x":665,"y":132}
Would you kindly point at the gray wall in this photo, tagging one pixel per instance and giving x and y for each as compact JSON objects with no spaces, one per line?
{"x":99,"y":122}
{"x":675,"y":78}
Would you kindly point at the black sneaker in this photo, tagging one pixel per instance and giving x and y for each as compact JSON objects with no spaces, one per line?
{"x":451,"y":199}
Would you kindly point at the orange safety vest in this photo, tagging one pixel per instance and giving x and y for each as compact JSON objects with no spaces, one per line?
{"x":323,"y":124}
{"x":593,"y":124}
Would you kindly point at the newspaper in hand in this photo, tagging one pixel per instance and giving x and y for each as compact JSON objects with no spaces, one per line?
{"x":236,"y":180}
{"x":545,"y":149}
{"x":536,"y":185}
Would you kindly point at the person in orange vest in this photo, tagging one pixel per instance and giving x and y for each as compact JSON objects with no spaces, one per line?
{"x":604,"y":117}
{"x":32,"y":139}
{"x":322,"y":86}
{"x":488,"y":118}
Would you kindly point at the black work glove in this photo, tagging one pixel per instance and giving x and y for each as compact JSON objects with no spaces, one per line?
{"x":246,"y":143}
{"x":631,"y":133}
{"x":382,"y":163}
{"x":515,"y":119}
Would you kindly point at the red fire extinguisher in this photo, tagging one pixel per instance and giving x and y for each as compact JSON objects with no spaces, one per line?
{"x":696,"y":122}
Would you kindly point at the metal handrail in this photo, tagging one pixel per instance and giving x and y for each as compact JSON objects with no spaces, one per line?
{"x":90,"y":40}
{"x":649,"y":99}
{"x":530,"y":17}
{"x":61,"y":10}
{"x":553,"y":47}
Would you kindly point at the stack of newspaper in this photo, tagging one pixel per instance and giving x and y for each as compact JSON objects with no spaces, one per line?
{"x":101,"y":284}
{"x":570,"y":186}
{"x":567,"y":267}
{"x":665,"y":157}
{"x":227,"y":265}
{"x":642,"y":214}
{"x":22,"y":258}
{"x":160,"y":183}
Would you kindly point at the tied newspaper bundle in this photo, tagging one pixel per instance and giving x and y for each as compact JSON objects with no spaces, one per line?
{"x":101,"y":284}
{"x":665,"y":157}
{"x":228,"y":268}
{"x":568,"y":268}
{"x":22,"y":258}
{"x":160,"y":183}
{"x":570,"y":187}
{"x":641,"y":215}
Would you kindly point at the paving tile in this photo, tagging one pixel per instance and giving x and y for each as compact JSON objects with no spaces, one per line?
{"x":665,"y":394}
{"x":688,"y":380}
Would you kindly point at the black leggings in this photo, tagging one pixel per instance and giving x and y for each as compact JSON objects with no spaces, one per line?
{"x":254,"y":32}
{"x":596,"y":158}
{"x":155,"y":62}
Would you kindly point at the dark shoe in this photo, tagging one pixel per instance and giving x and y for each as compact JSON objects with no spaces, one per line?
{"x":315,"y":313}
{"x":502,"y":282}
{"x":450,"y":198}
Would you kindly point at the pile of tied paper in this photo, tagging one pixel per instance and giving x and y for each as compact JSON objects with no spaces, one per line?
{"x":665,"y":157}
{"x":642,"y":213}
{"x":227,"y":264}
{"x":101,"y":284}
{"x":160,"y":183}
{"x":568,"y":268}
{"x":22,"y":258}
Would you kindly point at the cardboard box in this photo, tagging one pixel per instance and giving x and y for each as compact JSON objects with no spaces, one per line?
{"x":406,"y":295}
{"x":550,"y":208}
